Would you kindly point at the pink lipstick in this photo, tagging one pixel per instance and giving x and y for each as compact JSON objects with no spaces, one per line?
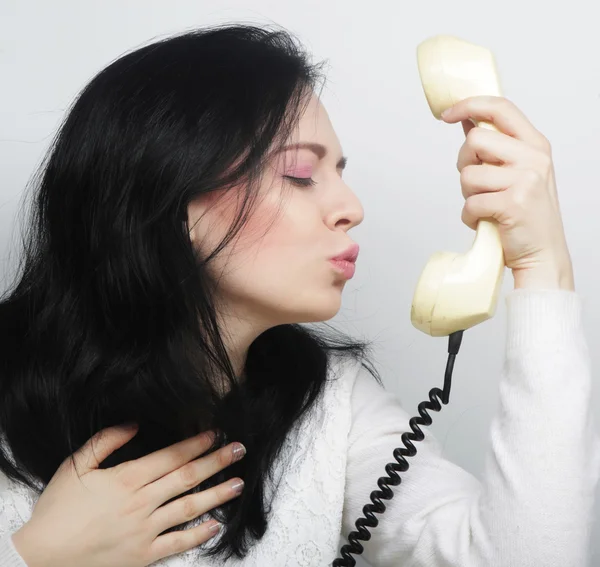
{"x":345,"y":263}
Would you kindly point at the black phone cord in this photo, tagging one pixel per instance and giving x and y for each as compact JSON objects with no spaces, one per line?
{"x":368,"y":520}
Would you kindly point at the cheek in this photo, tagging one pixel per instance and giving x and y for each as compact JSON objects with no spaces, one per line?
{"x":215,"y":216}
{"x":278,"y":242}
{"x":282,"y":231}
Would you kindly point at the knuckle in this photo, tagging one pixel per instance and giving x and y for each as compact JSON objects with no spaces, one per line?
{"x":477,"y":138}
{"x":503,"y":103}
{"x":531,"y":178}
{"x":126,"y":478}
{"x":545,"y":145}
{"x":176,"y":543}
{"x":470,"y":206}
{"x":518,"y":200}
{"x":188,"y":475}
{"x":473,"y":138}
{"x":188,"y":507}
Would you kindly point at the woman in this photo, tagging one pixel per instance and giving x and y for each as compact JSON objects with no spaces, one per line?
{"x":191,"y":214}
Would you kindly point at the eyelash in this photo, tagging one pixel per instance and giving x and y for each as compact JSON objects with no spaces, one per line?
{"x":301,"y":181}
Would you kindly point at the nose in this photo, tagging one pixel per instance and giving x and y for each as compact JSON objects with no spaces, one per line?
{"x":346,"y":211}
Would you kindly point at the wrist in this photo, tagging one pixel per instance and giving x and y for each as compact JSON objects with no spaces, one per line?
{"x":544,"y":277}
{"x":29,"y":548}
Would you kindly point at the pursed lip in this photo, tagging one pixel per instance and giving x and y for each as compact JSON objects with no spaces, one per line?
{"x":345,"y":263}
{"x":349,"y":255}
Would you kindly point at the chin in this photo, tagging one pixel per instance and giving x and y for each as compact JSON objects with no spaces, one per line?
{"x":318,"y":312}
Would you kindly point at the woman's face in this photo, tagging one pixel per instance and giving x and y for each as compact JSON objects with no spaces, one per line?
{"x":279,"y":269}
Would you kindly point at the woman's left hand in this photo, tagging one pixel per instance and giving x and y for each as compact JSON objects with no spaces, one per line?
{"x":508,"y":176}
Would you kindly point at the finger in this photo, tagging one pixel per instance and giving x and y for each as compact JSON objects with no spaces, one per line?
{"x":485,"y":178}
{"x":467,"y":126}
{"x":88,"y":457}
{"x":183,"y":540}
{"x":482,"y":206}
{"x":193,"y":473}
{"x":483,"y":145}
{"x":193,"y":506}
{"x":500,"y":112}
{"x":151,"y":467}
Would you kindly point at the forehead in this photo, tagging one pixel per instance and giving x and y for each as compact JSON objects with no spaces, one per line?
{"x":315,"y":126}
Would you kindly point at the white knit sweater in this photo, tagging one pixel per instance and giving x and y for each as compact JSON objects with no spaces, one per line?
{"x":533,"y":507}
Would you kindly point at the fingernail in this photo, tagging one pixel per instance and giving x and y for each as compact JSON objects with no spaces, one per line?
{"x":237,"y":486}
{"x":214,"y":527}
{"x":238,"y":451}
{"x":446,"y":112}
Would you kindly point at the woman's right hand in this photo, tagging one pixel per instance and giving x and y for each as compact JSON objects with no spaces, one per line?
{"x":113,"y":517}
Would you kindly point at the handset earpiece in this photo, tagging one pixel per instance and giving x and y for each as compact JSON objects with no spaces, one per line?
{"x":457,"y":291}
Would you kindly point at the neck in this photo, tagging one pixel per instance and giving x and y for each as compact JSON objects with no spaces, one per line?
{"x":238,"y":334}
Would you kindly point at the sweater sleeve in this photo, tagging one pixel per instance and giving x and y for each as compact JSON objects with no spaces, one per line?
{"x":534,"y":504}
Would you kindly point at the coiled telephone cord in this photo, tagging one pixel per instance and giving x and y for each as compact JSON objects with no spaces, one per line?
{"x":437,"y":397}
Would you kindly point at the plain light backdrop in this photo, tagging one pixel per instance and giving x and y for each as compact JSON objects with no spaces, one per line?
{"x":401,"y":160}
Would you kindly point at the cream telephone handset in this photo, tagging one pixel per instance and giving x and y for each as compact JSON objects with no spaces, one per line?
{"x":455,"y":291}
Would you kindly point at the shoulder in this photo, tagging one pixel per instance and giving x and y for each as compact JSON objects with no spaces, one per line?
{"x":348,"y":377}
{"x":330,"y":415}
{"x":344,"y":371}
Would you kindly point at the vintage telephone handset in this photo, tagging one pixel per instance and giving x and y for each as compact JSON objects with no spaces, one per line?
{"x":455,"y":291}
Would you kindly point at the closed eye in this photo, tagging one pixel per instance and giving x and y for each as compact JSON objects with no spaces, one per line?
{"x":301,"y":181}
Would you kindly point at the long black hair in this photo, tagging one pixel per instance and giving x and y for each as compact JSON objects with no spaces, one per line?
{"x":111,"y":318}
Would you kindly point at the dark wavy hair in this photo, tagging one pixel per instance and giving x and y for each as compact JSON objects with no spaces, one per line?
{"x":112,"y":315}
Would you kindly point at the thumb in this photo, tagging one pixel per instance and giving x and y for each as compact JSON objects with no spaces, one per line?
{"x":101,"y":445}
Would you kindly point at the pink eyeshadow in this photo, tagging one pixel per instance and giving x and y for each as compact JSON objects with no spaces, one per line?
{"x":300,"y":171}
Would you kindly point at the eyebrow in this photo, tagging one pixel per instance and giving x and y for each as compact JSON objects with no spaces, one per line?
{"x":318,"y":149}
